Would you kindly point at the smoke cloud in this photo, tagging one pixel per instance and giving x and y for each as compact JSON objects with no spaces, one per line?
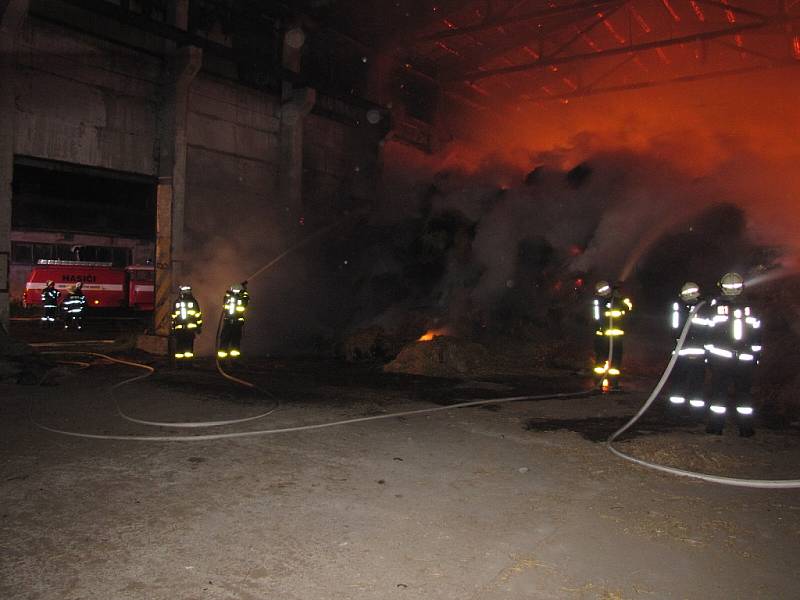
{"x":508,"y":226}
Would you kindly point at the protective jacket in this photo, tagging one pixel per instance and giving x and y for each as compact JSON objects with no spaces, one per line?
{"x":49,"y":305}
{"x":686,"y":380}
{"x":74,"y":307}
{"x":186,"y":315}
{"x":234,"y":307}
{"x":693,"y":344}
{"x":734,"y":332}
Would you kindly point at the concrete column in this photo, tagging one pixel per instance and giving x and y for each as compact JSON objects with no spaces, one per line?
{"x":171,"y":194}
{"x":12,"y":15}
{"x":295,"y":106}
{"x":290,"y":171}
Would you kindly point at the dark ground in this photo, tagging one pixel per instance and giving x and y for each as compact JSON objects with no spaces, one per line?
{"x":514,"y":500}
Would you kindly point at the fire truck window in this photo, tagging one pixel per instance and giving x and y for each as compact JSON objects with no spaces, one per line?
{"x":143,"y":275}
{"x":63,"y":252}
{"x":42,"y":252}
{"x":102,"y":254}
{"x":120,"y":257}
{"x":21,"y":253}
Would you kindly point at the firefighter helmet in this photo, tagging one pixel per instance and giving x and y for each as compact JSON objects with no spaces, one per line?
{"x":690,"y":291}
{"x":50,"y":282}
{"x":185,"y":289}
{"x":72,"y":288}
{"x":603,"y":288}
{"x":731,"y":284}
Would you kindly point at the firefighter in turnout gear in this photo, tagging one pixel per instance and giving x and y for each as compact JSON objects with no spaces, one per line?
{"x":234,"y":306}
{"x":690,"y":368}
{"x":734,"y":350}
{"x":187,"y":322}
{"x":49,"y":303}
{"x":74,"y":306}
{"x":608,"y":311}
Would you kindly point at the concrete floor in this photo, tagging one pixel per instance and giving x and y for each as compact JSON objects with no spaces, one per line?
{"x":465,"y":504}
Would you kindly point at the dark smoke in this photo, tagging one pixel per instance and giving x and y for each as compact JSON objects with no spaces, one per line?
{"x":451,"y":248}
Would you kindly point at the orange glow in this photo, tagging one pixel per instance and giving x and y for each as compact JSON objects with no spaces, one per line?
{"x":715,"y":138}
{"x":531,"y":51}
{"x":641,"y":21}
{"x":729,"y":13}
{"x":614,"y":32}
{"x":433,"y":333}
{"x":590,"y":42}
{"x":671,"y":10}
{"x":444,"y":46}
{"x":698,"y":11}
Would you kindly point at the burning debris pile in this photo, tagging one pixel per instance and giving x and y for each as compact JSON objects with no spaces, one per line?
{"x":508,"y":271}
{"x":441,"y":356}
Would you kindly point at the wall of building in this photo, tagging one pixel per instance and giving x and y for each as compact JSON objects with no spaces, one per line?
{"x":339,"y":163}
{"x":232,"y":158}
{"x":85,"y":101}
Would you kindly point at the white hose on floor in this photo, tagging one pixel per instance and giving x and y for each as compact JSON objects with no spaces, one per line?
{"x":734,"y":481}
{"x":242,"y":434}
{"x":150,"y":370}
{"x":260,"y":432}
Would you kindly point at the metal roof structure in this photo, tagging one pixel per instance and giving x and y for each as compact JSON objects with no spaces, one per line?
{"x":539,"y":50}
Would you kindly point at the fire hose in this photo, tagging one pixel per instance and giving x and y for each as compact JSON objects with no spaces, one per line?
{"x":150,"y":370}
{"x":260,"y":432}
{"x":734,"y":481}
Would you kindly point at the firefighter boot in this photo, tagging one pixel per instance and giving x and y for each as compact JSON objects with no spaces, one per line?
{"x":716,"y":423}
{"x":746,"y":426}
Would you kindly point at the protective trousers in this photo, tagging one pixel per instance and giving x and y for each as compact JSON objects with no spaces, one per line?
{"x":49,"y":315}
{"x":230,"y":338}
{"x":687,"y":388}
{"x":602,"y":345}
{"x":731,"y":382}
{"x":184,"y":343}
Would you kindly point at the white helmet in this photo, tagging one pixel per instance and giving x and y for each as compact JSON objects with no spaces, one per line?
{"x":690,"y":291}
{"x":731,"y":284}
{"x":603,"y":288}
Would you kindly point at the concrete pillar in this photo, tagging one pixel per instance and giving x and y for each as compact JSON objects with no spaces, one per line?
{"x":12,"y":15}
{"x":290,"y":171}
{"x":171,"y":194}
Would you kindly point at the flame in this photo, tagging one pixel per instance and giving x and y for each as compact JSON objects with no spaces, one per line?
{"x":433,"y":333}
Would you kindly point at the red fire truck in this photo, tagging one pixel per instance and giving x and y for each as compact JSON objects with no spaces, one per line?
{"x":104,"y":286}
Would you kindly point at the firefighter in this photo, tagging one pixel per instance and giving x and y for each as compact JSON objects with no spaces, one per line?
{"x":734,"y":350}
{"x":50,"y":303}
{"x":688,"y":374}
{"x":608,"y":311}
{"x":187,"y":322}
{"x":73,"y":306}
{"x":233,"y":311}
